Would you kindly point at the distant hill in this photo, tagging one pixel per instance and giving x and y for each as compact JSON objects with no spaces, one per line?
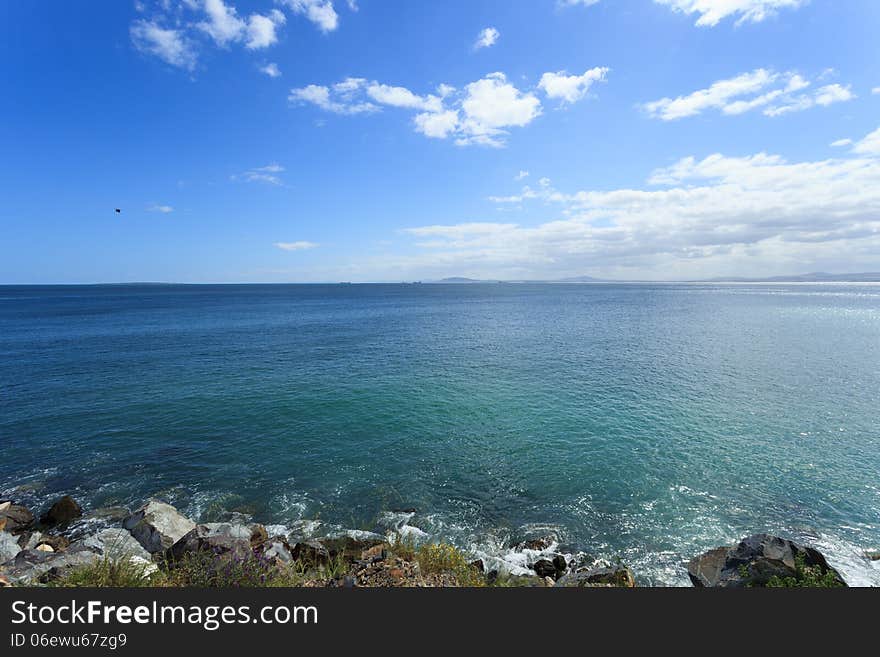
{"x":813,"y":277}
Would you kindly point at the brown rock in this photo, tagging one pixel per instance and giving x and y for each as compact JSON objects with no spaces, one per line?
{"x":62,"y":512}
{"x":17,"y":517}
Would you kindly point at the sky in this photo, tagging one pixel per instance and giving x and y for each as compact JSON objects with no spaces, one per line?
{"x":392,"y":140}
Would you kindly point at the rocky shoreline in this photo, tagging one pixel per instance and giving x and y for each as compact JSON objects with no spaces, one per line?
{"x":158,"y":546}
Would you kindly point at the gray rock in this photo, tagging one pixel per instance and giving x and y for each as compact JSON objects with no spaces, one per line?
{"x":218,"y":538}
{"x":754,"y":561}
{"x":157,"y":526}
{"x":614,"y":576}
{"x":17,"y":517}
{"x":62,"y":512}
{"x":115,"y":544}
{"x":35,"y":566}
{"x":277,"y":550}
{"x":9,"y":547}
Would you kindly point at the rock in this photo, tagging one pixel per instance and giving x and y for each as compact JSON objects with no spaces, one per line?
{"x":35,"y":566}
{"x":42,"y":547}
{"x":560,"y":564}
{"x":614,"y":576}
{"x":62,"y":512}
{"x":375,"y":553}
{"x":18,"y":518}
{"x":348,"y":547}
{"x":311,"y":553}
{"x":536,"y":544}
{"x":258,"y":534}
{"x":544,"y":568}
{"x":549,"y":581}
{"x":277,"y":550}
{"x":115,"y":544}
{"x":873,"y":556}
{"x":754,"y":561}
{"x":478,"y":565}
{"x":157,"y":526}
{"x":218,"y":538}
{"x":9,"y":547}
{"x":492,"y":577}
{"x":57,"y":543}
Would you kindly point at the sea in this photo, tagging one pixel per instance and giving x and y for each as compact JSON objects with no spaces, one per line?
{"x":644,"y":423}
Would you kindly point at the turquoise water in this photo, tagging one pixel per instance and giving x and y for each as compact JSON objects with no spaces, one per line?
{"x":648,"y":422}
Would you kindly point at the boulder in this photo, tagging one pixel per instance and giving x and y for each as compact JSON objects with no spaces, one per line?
{"x":62,"y":512}
{"x":36,"y":567}
{"x":613,"y":576}
{"x":219,"y":538}
{"x":544,"y":568}
{"x":536,"y":544}
{"x":311,"y":553}
{"x":258,"y":534}
{"x":157,"y":526}
{"x":33,"y":540}
{"x":18,"y":518}
{"x":754,"y":561}
{"x":349,"y":547}
{"x":276,"y":550}
{"x":560,"y":564}
{"x":115,"y":544}
{"x":9,"y":547}
{"x":478,"y":565}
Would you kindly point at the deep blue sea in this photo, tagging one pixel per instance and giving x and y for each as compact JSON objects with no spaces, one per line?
{"x":648,"y":422}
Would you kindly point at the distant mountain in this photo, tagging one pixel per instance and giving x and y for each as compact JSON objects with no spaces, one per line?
{"x":574,"y":279}
{"x":580,"y":279}
{"x":813,"y":277}
{"x":460,"y":279}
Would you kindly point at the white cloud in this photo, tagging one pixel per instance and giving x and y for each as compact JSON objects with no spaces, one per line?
{"x":491,"y":106}
{"x":717,"y":215}
{"x":571,"y":88}
{"x":296,"y":246}
{"x":824,"y":96}
{"x":875,"y":90}
{"x":403,"y":97}
{"x":712,"y":12}
{"x":487,"y":38}
{"x":261,"y":30}
{"x":870,"y":145}
{"x":171,"y":46}
{"x":521,"y":175}
{"x":438,"y":125}
{"x":271,"y":69}
{"x":481,"y":113}
{"x":320,"y":12}
{"x":268,"y":174}
{"x":574,"y":3}
{"x":164,"y":209}
{"x":776,"y":93}
{"x":330,"y":100}
{"x":841,"y":142}
{"x":223,"y":24}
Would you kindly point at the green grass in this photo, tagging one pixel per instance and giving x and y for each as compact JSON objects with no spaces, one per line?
{"x":108,"y":573}
{"x":805,"y":577}
{"x":444,"y":558}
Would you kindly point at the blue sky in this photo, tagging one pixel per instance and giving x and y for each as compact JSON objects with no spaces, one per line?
{"x":384,"y":140}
